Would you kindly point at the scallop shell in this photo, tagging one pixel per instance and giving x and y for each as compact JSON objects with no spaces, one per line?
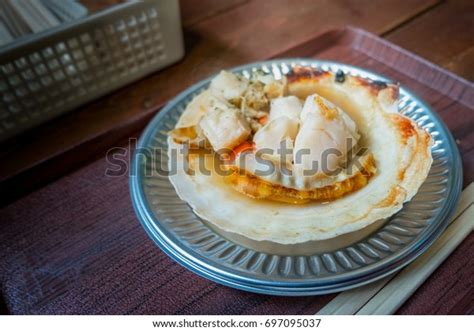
{"x":401,"y":150}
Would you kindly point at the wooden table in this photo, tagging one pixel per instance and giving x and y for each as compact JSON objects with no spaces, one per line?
{"x":221,"y":34}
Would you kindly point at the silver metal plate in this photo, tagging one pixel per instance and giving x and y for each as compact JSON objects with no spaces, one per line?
{"x":172,"y":225}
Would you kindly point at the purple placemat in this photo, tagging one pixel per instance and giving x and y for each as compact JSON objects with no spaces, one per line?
{"x":76,"y":247}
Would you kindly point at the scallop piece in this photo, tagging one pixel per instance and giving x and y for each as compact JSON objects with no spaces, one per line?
{"x":315,"y":151}
{"x":326,"y":136}
{"x":275,"y":135}
{"x":224,"y":128}
{"x":198,"y":107}
{"x":289,"y":106}
{"x":333,"y":119}
{"x":228,"y":85}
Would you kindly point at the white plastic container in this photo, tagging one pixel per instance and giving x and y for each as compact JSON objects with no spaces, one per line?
{"x":47,"y":74}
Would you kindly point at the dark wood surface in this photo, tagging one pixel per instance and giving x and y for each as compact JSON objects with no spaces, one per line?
{"x":443,"y":35}
{"x":218,"y":34}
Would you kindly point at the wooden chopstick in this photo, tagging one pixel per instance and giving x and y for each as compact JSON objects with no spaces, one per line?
{"x":387,"y":295}
{"x":399,"y":289}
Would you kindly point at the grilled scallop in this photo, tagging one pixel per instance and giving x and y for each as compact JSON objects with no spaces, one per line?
{"x":383,"y":166}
